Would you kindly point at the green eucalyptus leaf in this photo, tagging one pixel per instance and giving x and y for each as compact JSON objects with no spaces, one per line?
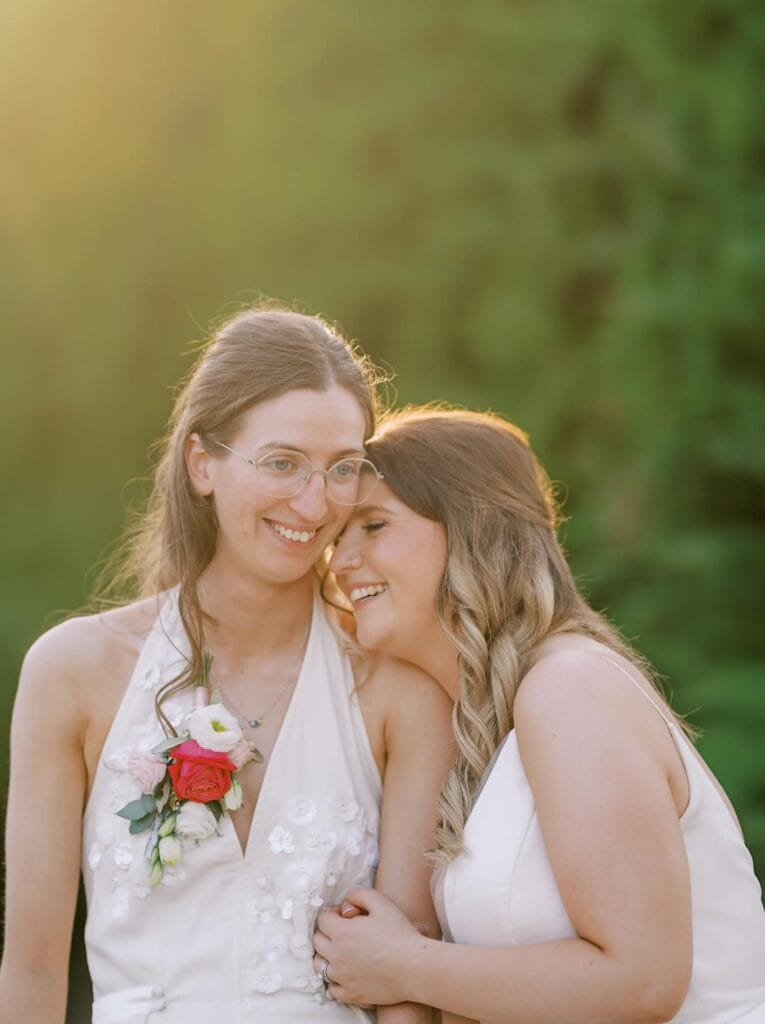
{"x":216,"y":808}
{"x":162,"y":793}
{"x":141,"y":824}
{"x":137,"y":809}
{"x":169,"y":744}
{"x":256,"y":755}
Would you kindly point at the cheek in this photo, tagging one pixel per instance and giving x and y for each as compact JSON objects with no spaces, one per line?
{"x":424,"y":568}
{"x":337,"y":518}
{"x":243,"y":506}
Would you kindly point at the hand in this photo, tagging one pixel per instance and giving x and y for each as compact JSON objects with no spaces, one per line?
{"x":348,"y":910}
{"x":368,"y":953}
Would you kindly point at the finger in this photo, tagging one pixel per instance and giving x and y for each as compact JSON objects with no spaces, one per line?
{"x":318,"y":962}
{"x":349,"y":910}
{"x":421,"y":928}
{"x":337,"y":992}
{"x":341,"y":995}
{"x":366,"y":899}
{"x":322,"y":945}
{"x":327,"y":922}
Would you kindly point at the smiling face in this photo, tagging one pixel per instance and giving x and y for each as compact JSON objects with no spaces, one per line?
{"x":278,"y":540}
{"x":389,"y":563}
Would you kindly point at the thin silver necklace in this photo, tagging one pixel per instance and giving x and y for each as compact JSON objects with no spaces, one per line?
{"x":291,"y":677}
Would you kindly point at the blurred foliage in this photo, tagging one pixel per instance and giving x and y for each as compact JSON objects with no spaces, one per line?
{"x":551,"y":209}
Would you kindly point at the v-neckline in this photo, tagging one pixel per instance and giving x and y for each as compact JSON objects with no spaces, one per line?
{"x":289,"y":714}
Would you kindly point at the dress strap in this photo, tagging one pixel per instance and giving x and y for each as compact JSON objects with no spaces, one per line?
{"x":638,"y":687}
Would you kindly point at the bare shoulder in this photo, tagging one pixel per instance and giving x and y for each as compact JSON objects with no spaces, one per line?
{"x":582,"y":685}
{"x":404,"y":688}
{"x":68,"y":658}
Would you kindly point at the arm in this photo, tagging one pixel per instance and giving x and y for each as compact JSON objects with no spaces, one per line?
{"x":419,"y":750}
{"x":45,"y":805}
{"x":598,"y":760}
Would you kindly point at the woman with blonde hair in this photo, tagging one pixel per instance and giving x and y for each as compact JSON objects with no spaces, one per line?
{"x":589,"y":866}
{"x":203,"y":753}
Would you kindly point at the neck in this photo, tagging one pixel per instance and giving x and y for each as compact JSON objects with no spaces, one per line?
{"x":254,"y":619}
{"x":436,"y":655}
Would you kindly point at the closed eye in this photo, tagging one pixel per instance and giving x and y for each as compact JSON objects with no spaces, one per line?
{"x":373,"y":527}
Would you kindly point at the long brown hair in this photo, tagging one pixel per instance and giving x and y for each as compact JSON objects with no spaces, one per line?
{"x":506,"y":587}
{"x":260,"y":354}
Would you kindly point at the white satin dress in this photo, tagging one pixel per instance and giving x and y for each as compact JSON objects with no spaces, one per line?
{"x":226,"y":937}
{"x":502,"y":891}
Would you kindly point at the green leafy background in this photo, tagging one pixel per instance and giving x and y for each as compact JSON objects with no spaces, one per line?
{"x":552,"y":209}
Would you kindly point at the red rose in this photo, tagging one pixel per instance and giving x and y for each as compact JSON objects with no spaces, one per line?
{"x":199,"y":774}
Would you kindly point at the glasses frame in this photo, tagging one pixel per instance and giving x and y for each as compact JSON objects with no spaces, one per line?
{"x":307,"y":474}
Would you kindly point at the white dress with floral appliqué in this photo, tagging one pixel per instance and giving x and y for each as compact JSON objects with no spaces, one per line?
{"x":226,"y":937}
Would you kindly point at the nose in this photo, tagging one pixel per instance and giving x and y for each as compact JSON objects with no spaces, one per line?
{"x":311,"y":500}
{"x":345,"y":556}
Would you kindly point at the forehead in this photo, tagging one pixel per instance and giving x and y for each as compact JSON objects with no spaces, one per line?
{"x":385,"y":502}
{"x":307,"y":420}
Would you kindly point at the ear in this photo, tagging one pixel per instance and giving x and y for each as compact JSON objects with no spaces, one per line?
{"x":198,"y":464}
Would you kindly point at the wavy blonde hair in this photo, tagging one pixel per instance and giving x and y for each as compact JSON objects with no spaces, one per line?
{"x":507,"y":586}
{"x":260,"y":354}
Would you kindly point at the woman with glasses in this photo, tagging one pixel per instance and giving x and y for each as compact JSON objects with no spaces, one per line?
{"x":213,"y":755}
{"x":589,"y":866}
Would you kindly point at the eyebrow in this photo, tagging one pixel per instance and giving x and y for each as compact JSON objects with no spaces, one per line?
{"x":285,"y":446}
{"x":363,"y":510}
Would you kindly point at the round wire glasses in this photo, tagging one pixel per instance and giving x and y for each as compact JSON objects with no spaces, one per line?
{"x":283,"y":474}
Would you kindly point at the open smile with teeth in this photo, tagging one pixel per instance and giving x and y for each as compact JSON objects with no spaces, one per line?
{"x":297,"y":536}
{"x":361,"y":593}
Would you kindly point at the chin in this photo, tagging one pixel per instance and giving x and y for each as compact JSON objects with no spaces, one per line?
{"x":283,"y":573}
{"x":372,"y":636}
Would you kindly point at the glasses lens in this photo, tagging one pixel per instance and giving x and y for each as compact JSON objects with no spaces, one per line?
{"x":351,"y":481}
{"x":283,"y":473}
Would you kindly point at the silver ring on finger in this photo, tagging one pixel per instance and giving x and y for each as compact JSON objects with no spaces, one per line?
{"x":324,"y":975}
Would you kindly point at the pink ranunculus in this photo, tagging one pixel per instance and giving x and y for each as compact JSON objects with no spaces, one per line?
{"x":242,"y":753}
{"x":148,"y":770}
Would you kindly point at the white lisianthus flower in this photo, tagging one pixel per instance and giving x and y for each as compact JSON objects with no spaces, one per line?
{"x":233,"y":799}
{"x":170,"y":851}
{"x":214,"y":728}
{"x":195,"y":821}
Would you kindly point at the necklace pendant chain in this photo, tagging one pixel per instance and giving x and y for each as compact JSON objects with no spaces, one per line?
{"x":291,"y":677}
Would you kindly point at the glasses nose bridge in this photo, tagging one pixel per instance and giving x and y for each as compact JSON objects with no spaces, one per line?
{"x":308,"y":474}
{"x":305,"y":478}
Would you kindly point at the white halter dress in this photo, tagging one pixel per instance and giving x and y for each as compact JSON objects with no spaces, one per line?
{"x":226,"y":937}
{"x":502,"y":892}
